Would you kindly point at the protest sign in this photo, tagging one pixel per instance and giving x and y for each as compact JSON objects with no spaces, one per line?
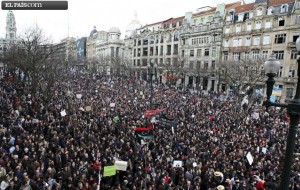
{"x":177,"y":163}
{"x":249,"y":158}
{"x":112,"y":105}
{"x":109,"y":171}
{"x":121,"y":165}
{"x":264,"y":150}
{"x":88,"y":108}
{"x":63,"y":113}
{"x":78,"y":96}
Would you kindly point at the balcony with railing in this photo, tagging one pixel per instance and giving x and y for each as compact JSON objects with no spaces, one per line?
{"x":239,"y":49}
{"x":291,"y":45}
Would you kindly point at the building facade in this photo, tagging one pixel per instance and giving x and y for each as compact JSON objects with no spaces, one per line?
{"x":105,"y":51}
{"x":252,"y":32}
{"x":10,"y":37}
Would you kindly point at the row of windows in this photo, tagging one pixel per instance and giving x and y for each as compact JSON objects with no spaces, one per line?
{"x":257,"y":55}
{"x":259,"y":12}
{"x":156,"y":39}
{"x":279,"y":39}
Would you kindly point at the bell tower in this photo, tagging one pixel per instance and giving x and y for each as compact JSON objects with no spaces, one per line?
{"x":11,"y":28}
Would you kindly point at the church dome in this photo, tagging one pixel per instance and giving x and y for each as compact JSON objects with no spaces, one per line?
{"x":94,"y":31}
{"x":134,"y":24}
{"x":114,"y":30}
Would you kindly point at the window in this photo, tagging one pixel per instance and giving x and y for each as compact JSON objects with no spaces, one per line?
{"x":270,"y":11}
{"x":256,"y":40}
{"x":237,"y":42}
{"x":168,"y":49}
{"x":247,"y":56}
{"x":279,"y":54}
{"x":289,"y":93}
{"x":226,"y":43}
{"x":225,"y":56}
{"x":248,"y":41}
{"x":176,"y":36}
{"x":249,"y":26}
{"x":250,"y":14}
{"x":295,"y":37}
{"x":213,"y":52}
{"x":152,"y":40}
{"x":281,"y":21}
{"x":266,"y":40}
{"x":170,"y":38}
{"x":161,"y":50}
{"x":294,"y":54}
{"x":175,"y":49}
{"x":238,"y":28}
{"x":259,"y":12}
{"x":161,"y":39}
{"x":236,"y":56}
{"x":268,"y":24}
{"x":292,"y":71}
{"x":192,"y":53}
{"x":151,"y":51}
{"x":213,"y":64}
{"x":199,"y":52}
{"x":145,"y":51}
{"x":297,"y":19}
{"x":255,"y":55}
{"x":205,"y":65}
{"x":258,"y":25}
{"x":265,"y":55}
{"x":284,"y":8}
{"x":198,"y":65}
{"x":279,"y":74}
{"x":241,"y":17}
{"x":191,"y":64}
{"x":134,"y":52}
{"x":280,"y":38}
{"x":206,"y":52}
{"x":227,"y":30}
{"x":145,"y":41}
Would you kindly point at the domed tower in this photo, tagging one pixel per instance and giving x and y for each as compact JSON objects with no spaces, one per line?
{"x":134,"y":24}
{"x":114,"y":34}
{"x":11,"y":28}
{"x":93,"y":32}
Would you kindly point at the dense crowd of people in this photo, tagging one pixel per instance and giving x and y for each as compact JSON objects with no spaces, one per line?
{"x":43,"y":148}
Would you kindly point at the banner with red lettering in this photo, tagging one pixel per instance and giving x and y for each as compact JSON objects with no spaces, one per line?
{"x":144,"y":129}
{"x":153,"y":112}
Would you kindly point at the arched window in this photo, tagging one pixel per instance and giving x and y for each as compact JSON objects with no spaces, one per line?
{"x":270,"y":10}
{"x":176,"y":36}
{"x":170,"y":37}
{"x":284,"y":8}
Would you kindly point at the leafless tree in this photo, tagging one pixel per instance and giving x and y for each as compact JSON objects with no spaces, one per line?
{"x":242,"y":75}
{"x":42,"y":62}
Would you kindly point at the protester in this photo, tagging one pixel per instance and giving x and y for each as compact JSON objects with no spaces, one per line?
{"x":66,"y":142}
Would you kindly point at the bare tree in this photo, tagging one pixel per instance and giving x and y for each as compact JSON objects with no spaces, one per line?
{"x":242,"y":75}
{"x":41,"y":61}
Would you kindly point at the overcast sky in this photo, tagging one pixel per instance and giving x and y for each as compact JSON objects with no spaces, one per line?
{"x":82,"y":16}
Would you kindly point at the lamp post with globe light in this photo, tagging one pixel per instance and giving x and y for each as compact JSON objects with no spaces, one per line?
{"x":293,"y":109}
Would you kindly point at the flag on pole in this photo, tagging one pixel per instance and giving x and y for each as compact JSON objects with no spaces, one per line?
{"x":153,"y":112}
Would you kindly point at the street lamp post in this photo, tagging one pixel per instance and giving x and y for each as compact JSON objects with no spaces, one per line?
{"x":152,"y":72}
{"x":293,"y":108}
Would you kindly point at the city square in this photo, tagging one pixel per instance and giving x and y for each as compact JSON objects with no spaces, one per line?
{"x":209,"y":100}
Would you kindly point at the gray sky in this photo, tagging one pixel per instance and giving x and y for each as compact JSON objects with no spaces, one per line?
{"x":82,"y":16}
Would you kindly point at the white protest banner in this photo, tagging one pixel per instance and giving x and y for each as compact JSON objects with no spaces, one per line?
{"x":63,"y":113}
{"x":173,"y":130}
{"x":153,"y":120}
{"x":264,"y":150}
{"x":121,"y":165}
{"x":78,"y":96}
{"x":194,"y":164}
{"x":81,"y":109}
{"x":257,"y":149}
{"x":177,"y":163}
{"x":88,"y":108}
{"x":249,"y":158}
{"x":112,"y":105}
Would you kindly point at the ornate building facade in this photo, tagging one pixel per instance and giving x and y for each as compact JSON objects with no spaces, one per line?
{"x":252,"y":32}
{"x":105,"y":51}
